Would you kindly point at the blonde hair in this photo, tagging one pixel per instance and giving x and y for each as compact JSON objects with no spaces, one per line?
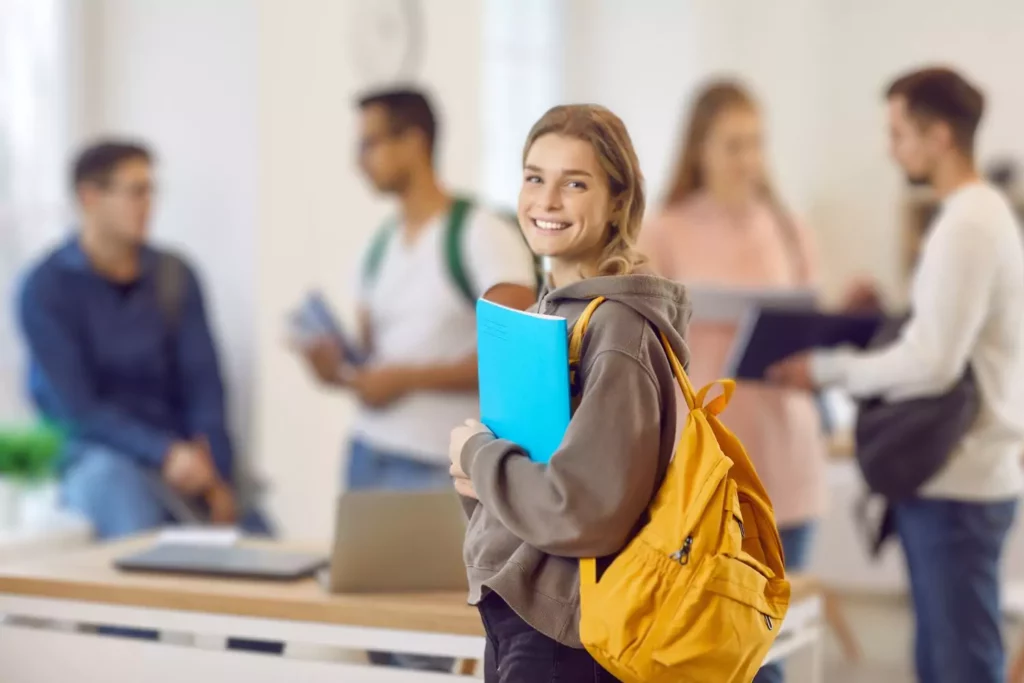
{"x":606,"y":133}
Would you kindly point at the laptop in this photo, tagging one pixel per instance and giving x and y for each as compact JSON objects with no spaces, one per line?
{"x":397,"y":541}
{"x":222,"y":560}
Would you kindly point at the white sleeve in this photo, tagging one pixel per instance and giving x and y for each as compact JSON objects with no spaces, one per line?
{"x":496,"y":253}
{"x":949,"y":304}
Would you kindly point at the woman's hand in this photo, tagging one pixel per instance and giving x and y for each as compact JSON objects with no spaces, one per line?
{"x":464,"y":487}
{"x":460,"y":437}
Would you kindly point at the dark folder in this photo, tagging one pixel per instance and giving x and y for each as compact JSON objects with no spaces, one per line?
{"x":771,"y":335}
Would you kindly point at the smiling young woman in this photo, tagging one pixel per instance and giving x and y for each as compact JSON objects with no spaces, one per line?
{"x":581,"y":205}
{"x":582,"y":199}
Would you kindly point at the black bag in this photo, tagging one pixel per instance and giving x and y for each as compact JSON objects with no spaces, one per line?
{"x":900,"y":445}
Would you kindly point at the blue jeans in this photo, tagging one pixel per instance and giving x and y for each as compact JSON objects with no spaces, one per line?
{"x":796,"y":546}
{"x":953,"y":550}
{"x":371,"y":468}
{"x":112,"y":491}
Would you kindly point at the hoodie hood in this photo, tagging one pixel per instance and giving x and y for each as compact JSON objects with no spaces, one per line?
{"x":664,"y":303}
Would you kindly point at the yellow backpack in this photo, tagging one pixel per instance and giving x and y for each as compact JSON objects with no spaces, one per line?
{"x":699,"y":594}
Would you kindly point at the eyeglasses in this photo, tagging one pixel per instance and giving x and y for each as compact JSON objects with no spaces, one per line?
{"x":135,"y":191}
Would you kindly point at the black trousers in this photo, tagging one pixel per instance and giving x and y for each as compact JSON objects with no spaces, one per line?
{"x":516,"y":653}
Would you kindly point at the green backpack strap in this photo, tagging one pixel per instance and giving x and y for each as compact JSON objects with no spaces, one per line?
{"x":453,"y":240}
{"x":375,"y":255}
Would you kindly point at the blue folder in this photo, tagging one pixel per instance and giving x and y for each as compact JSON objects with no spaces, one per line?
{"x":524,"y":377}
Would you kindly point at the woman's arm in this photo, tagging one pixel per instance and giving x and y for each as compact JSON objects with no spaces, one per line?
{"x":587,"y":500}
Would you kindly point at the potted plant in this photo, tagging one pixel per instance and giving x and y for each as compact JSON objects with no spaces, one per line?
{"x":28,"y":455}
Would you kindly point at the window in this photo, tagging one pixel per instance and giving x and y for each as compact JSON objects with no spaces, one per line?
{"x":33,"y":125}
{"x":522,"y":78}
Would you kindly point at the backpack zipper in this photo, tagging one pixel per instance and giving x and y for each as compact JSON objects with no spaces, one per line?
{"x":682,"y":556}
{"x":768,"y":622}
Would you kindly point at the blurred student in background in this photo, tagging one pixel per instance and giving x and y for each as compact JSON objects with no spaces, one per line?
{"x":723,"y":225}
{"x":966,"y":312}
{"x":417,"y":320}
{"x":123,"y":358}
{"x":417,"y":327}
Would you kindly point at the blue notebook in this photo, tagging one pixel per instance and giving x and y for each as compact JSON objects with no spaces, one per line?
{"x":524,"y":377}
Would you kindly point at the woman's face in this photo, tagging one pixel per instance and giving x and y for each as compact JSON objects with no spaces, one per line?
{"x":565,"y":203}
{"x":733,"y":154}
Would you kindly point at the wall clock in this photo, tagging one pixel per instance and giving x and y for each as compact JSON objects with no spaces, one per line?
{"x":385,"y":40}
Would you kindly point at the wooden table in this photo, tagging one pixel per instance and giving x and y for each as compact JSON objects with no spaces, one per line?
{"x":82,"y":587}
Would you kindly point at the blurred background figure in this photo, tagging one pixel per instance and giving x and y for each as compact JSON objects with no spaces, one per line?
{"x":966,"y":316}
{"x":123,"y":358}
{"x":418,"y":286}
{"x":723,"y":225}
{"x":417,"y":326}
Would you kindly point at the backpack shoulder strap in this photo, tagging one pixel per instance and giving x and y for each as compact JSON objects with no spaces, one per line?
{"x":375,"y":255}
{"x":453,"y":241}
{"x":170,"y":287}
{"x":579,"y":333}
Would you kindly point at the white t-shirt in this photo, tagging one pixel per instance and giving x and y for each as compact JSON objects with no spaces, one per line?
{"x":420,"y":317}
{"x":967,"y":301}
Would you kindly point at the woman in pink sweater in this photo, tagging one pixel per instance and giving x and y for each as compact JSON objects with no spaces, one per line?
{"x":722,"y":225}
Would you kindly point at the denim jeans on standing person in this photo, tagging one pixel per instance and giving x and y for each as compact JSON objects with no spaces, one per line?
{"x":375,"y":469}
{"x":516,"y":653}
{"x":953,"y":551}
{"x":796,"y":546}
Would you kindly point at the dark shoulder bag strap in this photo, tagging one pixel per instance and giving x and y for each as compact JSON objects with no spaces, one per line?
{"x":170,"y":288}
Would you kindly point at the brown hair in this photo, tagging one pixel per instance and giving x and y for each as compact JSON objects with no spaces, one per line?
{"x":97,"y":162}
{"x":939,"y":94}
{"x":406,"y":109}
{"x":607,"y":134}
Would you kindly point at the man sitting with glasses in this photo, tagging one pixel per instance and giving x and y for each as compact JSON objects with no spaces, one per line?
{"x":123,"y":360}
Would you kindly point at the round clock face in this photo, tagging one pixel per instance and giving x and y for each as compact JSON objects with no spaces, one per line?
{"x":385,"y":38}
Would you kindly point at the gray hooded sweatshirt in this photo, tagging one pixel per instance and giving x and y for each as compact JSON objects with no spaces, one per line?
{"x":534,"y":521}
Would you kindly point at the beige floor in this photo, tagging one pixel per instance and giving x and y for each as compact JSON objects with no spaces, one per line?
{"x":884,"y":629}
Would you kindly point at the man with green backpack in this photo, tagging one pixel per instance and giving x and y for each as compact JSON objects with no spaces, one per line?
{"x":424,"y":270}
{"x":421,"y":276}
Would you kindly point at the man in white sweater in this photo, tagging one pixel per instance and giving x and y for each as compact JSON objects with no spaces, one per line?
{"x":967,"y":304}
